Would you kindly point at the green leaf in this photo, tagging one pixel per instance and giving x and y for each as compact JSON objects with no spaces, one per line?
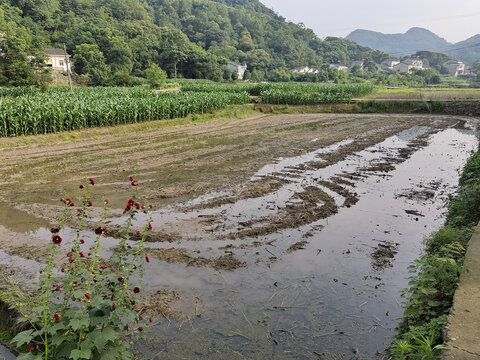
{"x":27,"y":356}
{"x":65,"y":349}
{"x":86,"y":345}
{"x":23,"y":338}
{"x":112,"y":353}
{"x":56,"y":327}
{"x":76,"y":324}
{"x":80,"y":354}
{"x":58,"y":339}
{"x":101,"y":338}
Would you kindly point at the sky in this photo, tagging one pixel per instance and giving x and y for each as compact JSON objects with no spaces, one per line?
{"x":453,"y":20}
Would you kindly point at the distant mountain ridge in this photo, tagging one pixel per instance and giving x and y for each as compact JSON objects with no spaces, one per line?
{"x":417,"y":39}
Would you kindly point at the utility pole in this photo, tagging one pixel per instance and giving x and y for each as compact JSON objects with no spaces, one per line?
{"x":67,"y":62}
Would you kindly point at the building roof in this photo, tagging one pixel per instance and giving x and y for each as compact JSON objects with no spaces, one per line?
{"x":55,"y":52}
{"x":452,"y":62}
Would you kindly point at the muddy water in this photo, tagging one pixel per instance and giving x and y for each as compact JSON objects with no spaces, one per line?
{"x":322,"y":250}
{"x":338,"y":295}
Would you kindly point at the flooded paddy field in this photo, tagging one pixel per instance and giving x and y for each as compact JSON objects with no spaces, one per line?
{"x":275,"y":236}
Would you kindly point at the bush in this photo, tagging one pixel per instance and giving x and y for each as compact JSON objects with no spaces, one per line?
{"x":156,"y":77}
{"x":446,"y":236}
{"x":464,"y":209}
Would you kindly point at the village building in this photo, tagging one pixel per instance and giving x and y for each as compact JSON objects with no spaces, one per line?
{"x":388,"y":64}
{"x":456,"y":67}
{"x":57,"y":59}
{"x":339,"y":67}
{"x":237,"y":68}
{"x":305,"y":70}
{"x":408,"y":65}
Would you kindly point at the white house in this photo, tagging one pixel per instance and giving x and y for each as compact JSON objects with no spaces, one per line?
{"x":455,"y":67}
{"x":237,"y":68}
{"x":339,"y":67}
{"x":388,"y":64}
{"x":57,"y":59}
{"x":408,"y":65}
{"x":305,"y":70}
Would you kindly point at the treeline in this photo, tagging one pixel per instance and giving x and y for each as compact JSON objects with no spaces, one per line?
{"x":115,"y":41}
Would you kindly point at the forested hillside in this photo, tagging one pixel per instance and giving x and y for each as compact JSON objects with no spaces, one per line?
{"x":114,"y":41}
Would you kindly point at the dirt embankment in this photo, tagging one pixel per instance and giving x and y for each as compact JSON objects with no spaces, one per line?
{"x":463,"y":108}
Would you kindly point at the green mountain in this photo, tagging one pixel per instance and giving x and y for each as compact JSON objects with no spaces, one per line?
{"x":113,"y":40}
{"x":417,"y":39}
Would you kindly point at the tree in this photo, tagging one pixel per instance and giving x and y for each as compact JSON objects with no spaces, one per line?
{"x":155,"y":76}
{"x":86,"y":58}
{"x":89,"y":60}
{"x":279,"y":75}
{"x":476,"y":69}
{"x":14,"y":65}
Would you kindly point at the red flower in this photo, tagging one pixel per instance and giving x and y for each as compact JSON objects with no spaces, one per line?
{"x":140,"y":328}
{"x":79,"y":210}
{"x":57,"y":318}
{"x":120,"y":279}
{"x":113,"y":305}
{"x":138,"y":232}
{"x":99,"y":230}
{"x":81,"y":254}
{"x":131,"y":201}
{"x":57,"y":240}
{"x":149,"y":226}
{"x":128,"y":207}
{"x":91,"y":181}
{"x":81,"y":241}
{"x":57,"y":288}
{"x":136,"y":290}
{"x":63,"y":269}
{"x":87,"y":296}
{"x":147,"y":259}
{"x":129,"y":246}
{"x":70,"y":260}
{"x":54,"y":230}
{"x":134,"y":183}
{"x":72,"y":204}
{"x":151,"y":319}
{"x":105,"y":201}
{"x":89,"y":203}
{"x":30,"y":347}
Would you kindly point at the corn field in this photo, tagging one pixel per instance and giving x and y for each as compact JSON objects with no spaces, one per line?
{"x":288,"y":93}
{"x":30,"y":112}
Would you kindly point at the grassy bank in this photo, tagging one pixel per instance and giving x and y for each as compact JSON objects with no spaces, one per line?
{"x":436,"y":274}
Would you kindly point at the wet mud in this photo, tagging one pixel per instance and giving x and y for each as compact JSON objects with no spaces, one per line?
{"x":274,"y":236}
